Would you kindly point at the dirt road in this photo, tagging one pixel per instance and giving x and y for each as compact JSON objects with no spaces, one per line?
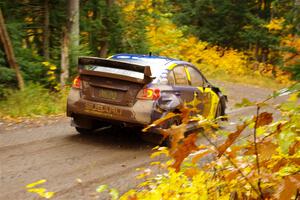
{"x":55,"y":152}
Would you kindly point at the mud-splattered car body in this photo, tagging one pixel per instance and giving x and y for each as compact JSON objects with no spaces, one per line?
{"x":135,"y":90}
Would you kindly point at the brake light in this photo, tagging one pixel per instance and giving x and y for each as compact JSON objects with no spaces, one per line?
{"x":76,"y":82}
{"x":149,"y":94}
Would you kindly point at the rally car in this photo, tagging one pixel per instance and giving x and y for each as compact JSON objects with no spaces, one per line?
{"x":135,"y":90}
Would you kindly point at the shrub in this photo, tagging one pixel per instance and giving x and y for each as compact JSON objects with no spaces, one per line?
{"x":265,"y":164}
{"x":34,"y":100}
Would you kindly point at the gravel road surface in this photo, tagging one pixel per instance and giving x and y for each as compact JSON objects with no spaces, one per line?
{"x":75,"y":165}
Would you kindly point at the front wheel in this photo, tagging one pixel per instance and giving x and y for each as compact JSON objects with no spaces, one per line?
{"x":218,"y":111}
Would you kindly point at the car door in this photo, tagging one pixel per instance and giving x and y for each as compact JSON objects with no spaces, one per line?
{"x":180,"y":82}
{"x":205,"y":100}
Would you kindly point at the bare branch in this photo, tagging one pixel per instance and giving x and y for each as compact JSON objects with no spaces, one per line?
{"x":256,"y":152}
{"x":232,"y":163}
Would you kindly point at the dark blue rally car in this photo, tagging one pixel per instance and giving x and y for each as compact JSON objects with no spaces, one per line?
{"x":135,"y":90}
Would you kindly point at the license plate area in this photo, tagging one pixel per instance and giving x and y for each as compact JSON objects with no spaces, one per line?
{"x":107,"y":94}
{"x":110,"y":91}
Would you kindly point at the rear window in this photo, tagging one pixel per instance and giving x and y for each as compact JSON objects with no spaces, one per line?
{"x":122,"y":72}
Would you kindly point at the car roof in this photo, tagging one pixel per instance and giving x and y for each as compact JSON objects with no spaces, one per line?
{"x":154,"y":61}
{"x":159,"y":65}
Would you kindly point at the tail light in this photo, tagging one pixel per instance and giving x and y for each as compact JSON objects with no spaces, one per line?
{"x":76,"y":82}
{"x":149,"y":94}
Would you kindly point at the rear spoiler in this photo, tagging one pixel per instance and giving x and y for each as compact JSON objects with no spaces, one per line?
{"x":113,"y":64}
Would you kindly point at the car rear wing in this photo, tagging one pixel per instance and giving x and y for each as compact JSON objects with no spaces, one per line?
{"x":102,"y":62}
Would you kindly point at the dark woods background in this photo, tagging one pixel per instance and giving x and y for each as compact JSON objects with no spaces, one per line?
{"x":48,"y":35}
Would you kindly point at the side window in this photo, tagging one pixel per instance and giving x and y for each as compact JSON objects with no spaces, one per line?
{"x":180,"y":76}
{"x":196,"y":77}
{"x":171,"y":79}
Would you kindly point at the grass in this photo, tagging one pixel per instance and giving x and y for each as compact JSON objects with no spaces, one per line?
{"x":33,"y":101}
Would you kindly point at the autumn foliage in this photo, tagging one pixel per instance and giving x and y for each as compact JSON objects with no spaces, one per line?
{"x":259,"y":160}
{"x":214,"y":61}
{"x":165,"y":38}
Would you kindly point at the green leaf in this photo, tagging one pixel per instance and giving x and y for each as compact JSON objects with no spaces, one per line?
{"x":286,"y":138}
{"x":288,"y":170}
{"x":244,"y":103}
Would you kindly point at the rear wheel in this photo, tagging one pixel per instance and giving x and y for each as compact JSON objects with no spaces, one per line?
{"x":84,"y":131}
{"x":153,"y":136}
{"x":173,"y":121}
{"x":85,"y":125}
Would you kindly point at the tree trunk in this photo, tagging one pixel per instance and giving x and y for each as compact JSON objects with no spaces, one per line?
{"x":46,"y":32}
{"x":5,"y":40}
{"x":265,"y":14}
{"x":70,"y":41}
{"x":265,"y":54}
{"x":64,"y":75}
{"x":104,"y":49}
{"x":73,"y":28}
{"x":104,"y":44}
{"x":256,"y":52}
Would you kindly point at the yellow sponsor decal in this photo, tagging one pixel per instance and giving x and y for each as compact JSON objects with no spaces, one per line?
{"x":172,"y":66}
{"x":214,"y":103}
{"x":187,"y":73}
{"x":209,"y":99}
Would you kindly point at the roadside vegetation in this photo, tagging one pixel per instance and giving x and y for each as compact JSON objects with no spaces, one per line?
{"x":33,"y":101}
{"x":249,"y":42}
{"x":263,"y":163}
{"x":260,"y":159}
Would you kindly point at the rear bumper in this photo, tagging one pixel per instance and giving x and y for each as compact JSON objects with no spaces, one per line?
{"x":139,"y":113}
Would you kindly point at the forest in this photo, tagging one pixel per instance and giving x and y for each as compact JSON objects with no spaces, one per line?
{"x":253,"y":42}
{"x":242,"y":37}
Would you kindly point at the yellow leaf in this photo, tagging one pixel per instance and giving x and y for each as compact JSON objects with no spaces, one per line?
{"x":160,"y":121}
{"x":48,"y":195}
{"x":31,"y":185}
{"x":46,"y":63}
{"x":38,"y":191}
{"x":101,"y":188}
{"x":158,"y":153}
{"x":52,"y":67}
{"x":275,"y":24}
{"x":293,"y":97}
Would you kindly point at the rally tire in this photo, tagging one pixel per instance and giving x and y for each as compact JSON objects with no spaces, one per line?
{"x":219,"y":110}
{"x":84,"y":131}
